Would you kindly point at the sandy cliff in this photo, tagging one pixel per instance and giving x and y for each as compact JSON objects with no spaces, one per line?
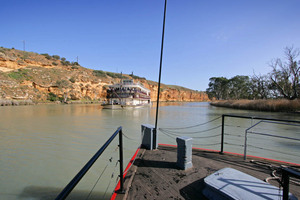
{"x":27,"y":75}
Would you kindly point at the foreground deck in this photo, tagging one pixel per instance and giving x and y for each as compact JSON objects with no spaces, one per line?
{"x":154,"y":174}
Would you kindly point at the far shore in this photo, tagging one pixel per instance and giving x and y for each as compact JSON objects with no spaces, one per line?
{"x":13,"y":102}
{"x":270,"y":105}
{"x":31,"y":102}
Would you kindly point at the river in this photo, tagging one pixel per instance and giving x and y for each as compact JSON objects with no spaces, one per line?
{"x":43,"y":147}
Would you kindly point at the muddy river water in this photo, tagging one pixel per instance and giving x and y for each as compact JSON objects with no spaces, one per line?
{"x":43,"y":147}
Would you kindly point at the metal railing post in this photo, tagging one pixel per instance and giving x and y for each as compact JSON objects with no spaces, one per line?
{"x":121,"y":162}
{"x":286,"y":174}
{"x":222,"y":135}
{"x":245,"y":146}
{"x":66,"y":191}
{"x":285,"y":185}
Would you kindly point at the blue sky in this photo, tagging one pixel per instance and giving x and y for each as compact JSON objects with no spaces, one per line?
{"x":203,"y":38}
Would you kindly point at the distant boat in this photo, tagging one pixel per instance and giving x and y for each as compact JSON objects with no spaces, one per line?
{"x":127,"y":94}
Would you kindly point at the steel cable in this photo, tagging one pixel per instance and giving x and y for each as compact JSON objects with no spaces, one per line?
{"x":239,"y":145}
{"x":108,"y":162}
{"x":98,"y":180}
{"x":112,"y":175}
{"x":271,"y":150}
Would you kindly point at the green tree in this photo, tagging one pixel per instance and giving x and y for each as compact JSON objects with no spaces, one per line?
{"x":217,"y":88}
{"x":239,"y":87}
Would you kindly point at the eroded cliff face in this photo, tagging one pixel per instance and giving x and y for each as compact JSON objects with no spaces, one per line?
{"x":25,"y":75}
{"x":168,"y":93}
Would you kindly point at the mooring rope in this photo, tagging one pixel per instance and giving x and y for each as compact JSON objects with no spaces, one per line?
{"x":172,"y":136}
{"x":211,"y":144}
{"x":193,"y":125}
{"x":193,"y":132}
{"x":275,"y":169}
{"x":168,"y":135}
{"x":128,"y":137}
{"x":175,"y":134}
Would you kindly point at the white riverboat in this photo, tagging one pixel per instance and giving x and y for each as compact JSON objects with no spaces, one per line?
{"x":127,"y":94}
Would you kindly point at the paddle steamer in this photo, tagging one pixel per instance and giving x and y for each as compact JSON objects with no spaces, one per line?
{"x":127,"y":94}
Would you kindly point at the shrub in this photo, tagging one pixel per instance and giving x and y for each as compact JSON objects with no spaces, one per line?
{"x":2,"y":50}
{"x":63,"y":59}
{"x":137,"y":77}
{"x":115,"y":75}
{"x":72,"y":79}
{"x":25,"y":56}
{"x":99,"y":73}
{"x":54,"y":63}
{"x":20,"y":74}
{"x":47,"y":56}
{"x":65,"y":63}
{"x":62,"y":84}
{"x":52,"y":96}
{"x":56,"y":57}
{"x":15,"y":75}
{"x":74,"y":63}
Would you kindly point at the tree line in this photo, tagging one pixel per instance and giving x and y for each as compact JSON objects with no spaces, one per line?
{"x":281,"y":82}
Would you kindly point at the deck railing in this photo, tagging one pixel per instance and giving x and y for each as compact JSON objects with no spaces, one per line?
{"x":252,"y":118}
{"x":286,"y":172}
{"x":68,"y":189}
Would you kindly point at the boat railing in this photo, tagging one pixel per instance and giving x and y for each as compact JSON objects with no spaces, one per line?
{"x":286,"y":174}
{"x":248,"y":130}
{"x":286,"y":171}
{"x":68,"y":189}
{"x":260,"y":135}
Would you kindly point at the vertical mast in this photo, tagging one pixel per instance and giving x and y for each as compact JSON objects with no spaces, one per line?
{"x":160,"y":65}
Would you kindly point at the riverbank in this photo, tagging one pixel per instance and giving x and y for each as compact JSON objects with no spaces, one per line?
{"x":10,"y":102}
{"x":279,"y":105}
{"x":30,"y":102}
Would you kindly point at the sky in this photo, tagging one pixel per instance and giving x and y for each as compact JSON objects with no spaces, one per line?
{"x":203,"y":38}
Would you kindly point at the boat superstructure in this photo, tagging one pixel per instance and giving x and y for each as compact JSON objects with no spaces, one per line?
{"x":127,"y":93}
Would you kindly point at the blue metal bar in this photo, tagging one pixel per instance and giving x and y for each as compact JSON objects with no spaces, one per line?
{"x":222,"y":135}
{"x":261,"y":118}
{"x":66,"y":191}
{"x":121,"y":162}
{"x":270,"y":135}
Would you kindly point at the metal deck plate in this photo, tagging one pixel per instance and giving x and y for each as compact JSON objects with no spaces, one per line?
{"x":229,"y":183}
